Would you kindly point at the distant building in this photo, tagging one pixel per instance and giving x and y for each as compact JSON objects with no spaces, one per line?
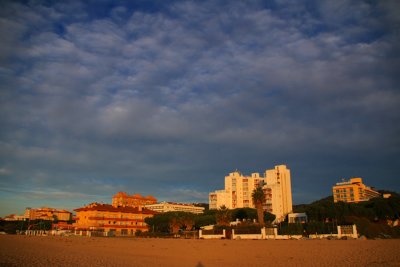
{"x":112,"y":220}
{"x":387,"y":195}
{"x":14,"y":217}
{"x":171,"y":206}
{"x":122,"y":199}
{"x":276,"y":184}
{"x":46,"y":213}
{"x":353,"y":191}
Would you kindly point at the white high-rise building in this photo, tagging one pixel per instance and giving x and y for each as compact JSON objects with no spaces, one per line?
{"x":278,"y":180}
{"x":239,"y":188}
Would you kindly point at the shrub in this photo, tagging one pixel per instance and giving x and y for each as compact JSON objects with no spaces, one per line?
{"x":138,"y":233}
{"x":248,"y":228}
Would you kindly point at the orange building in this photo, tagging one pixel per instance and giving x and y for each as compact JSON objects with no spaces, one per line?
{"x":112,"y":220}
{"x":353,"y":191}
{"x":122,"y":199}
{"x":46,"y":213}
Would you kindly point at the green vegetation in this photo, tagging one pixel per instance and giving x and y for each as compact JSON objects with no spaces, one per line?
{"x":168,"y":223}
{"x":11,"y":227}
{"x":223,"y":216}
{"x":371,"y":217}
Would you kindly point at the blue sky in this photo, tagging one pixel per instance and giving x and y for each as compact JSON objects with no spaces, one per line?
{"x":167,"y":97}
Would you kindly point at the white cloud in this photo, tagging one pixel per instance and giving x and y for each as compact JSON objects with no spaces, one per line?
{"x":5,"y":171}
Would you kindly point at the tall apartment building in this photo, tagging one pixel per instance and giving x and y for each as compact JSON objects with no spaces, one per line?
{"x":276,"y":185}
{"x":279,"y":182}
{"x":353,"y":191}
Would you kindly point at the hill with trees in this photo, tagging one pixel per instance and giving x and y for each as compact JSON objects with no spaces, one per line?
{"x":378,"y":217}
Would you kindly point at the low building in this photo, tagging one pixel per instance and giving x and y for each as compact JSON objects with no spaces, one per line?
{"x":48,"y":214}
{"x":122,"y":199}
{"x":113,"y":220}
{"x":217,"y":199}
{"x":171,"y":206}
{"x":297,"y":218}
{"x":353,"y":191}
{"x":14,"y":217}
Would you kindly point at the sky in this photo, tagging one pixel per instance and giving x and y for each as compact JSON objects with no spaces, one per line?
{"x":165,"y":98}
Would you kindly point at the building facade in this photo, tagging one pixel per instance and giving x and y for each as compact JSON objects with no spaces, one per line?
{"x":276,"y":184}
{"x":297,"y":218}
{"x":278,"y":180}
{"x":217,"y":199}
{"x":46,"y":213}
{"x":112,"y":220}
{"x":171,"y":206}
{"x":122,"y":199}
{"x":353,"y":191}
{"x":14,"y":217}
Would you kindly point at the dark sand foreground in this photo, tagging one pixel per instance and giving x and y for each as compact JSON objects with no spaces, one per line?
{"x":83,"y":251}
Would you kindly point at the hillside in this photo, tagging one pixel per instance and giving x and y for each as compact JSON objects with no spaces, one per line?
{"x":378,"y":217}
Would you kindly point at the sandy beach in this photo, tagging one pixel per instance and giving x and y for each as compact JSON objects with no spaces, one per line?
{"x":83,"y":251}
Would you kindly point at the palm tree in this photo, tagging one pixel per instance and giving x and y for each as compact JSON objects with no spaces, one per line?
{"x":258,"y":199}
{"x":223,"y":216}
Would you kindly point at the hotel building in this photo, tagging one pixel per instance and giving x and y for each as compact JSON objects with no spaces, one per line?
{"x":276,"y":184}
{"x":122,"y":199}
{"x":353,"y":191}
{"x":112,"y":220}
{"x":171,"y":206}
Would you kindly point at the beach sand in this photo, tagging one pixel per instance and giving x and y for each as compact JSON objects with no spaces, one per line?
{"x":96,"y":251}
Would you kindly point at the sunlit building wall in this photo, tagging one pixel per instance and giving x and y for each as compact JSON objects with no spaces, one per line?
{"x":276,"y":184}
{"x":217,"y":199}
{"x":110,"y":219}
{"x":122,"y":199}
{"x":46,"y":213}
{"x":353,"y":191}
{"x":172,"y":206}
{"x":279,"y":180}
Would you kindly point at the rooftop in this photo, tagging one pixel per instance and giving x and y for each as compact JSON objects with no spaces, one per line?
{"x":111,"y":208}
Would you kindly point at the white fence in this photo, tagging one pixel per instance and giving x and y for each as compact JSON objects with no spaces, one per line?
{"x":213,"y":236}
{"x":272,"y":233}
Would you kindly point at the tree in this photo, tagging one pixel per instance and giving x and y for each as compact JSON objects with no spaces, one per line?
{"x":55,"y":219}
{"x":244,"y":213}
{"x":175,"y":225}
{"x":171,"y":222}
{"x":223,"y":216}
{"x":258,"y":199}
{"x":159,"y":222}
{"x":269,"y":217}
{"x":187,"y":221}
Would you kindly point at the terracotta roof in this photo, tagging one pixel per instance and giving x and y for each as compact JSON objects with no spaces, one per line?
{"x":120,"y":194}
{"x":111,"y":208}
